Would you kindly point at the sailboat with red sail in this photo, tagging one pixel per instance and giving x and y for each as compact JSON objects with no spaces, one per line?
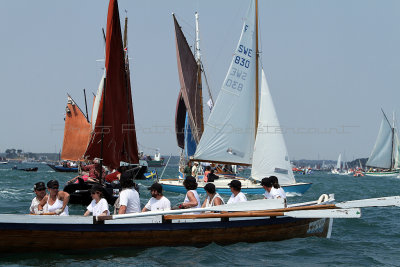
{"x":76,"y":136}
{"x":112,"y":136}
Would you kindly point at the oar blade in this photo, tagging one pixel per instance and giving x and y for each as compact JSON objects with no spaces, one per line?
{"x":326,"y":213}
{"x":371,"y":202}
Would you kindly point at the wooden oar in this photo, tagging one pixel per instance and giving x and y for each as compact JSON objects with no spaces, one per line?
{"x":260,"y":204}
{"x":371,"y":202}
{"x":327,"y":213}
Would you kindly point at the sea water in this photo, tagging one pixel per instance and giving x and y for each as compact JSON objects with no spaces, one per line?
{"x":372,"y":240}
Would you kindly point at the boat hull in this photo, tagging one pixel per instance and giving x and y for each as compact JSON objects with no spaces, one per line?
{"x":59,"y":168}
{"x":155,"y":163}
{"x":30,"y":236}
{"x":222,"y":187}
{"x":382,"y":174}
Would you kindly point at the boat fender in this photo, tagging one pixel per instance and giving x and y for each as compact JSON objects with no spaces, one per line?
{"x":323,"y":198}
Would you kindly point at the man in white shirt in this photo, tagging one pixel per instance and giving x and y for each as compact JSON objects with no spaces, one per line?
{"x":40,"y":190}
{"x":237,"y":196}
{"x":129,"y":200}
{"x":158,"y":201}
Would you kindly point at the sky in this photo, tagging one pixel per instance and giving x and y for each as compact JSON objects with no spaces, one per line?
{"x":331,"y":66}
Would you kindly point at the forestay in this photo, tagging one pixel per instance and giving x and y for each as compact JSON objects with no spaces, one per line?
{"x":270,"y":155}
{"x":229,"y":133}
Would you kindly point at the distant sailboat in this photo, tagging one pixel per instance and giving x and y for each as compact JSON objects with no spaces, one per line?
{"x":385,"y":156}
{"x":338,"y":168}
{"x":229,"y":135}
{"x":76,"y":136}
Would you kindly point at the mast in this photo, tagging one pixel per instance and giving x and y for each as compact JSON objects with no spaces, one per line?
{"x":87,"y":114}
{"x":126,"y":32}
{"x":199,"y":83}
{"x":257,"y":54}
{"x":393,"y":148}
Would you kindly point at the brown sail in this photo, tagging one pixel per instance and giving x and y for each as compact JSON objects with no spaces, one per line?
{"x":190,"y":82}
{"x":114,"y":136}
{"x":76,"y":132}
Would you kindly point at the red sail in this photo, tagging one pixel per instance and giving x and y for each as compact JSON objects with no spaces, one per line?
{"x":114,"y":130}
{"x":76,"y":132}
{"x":190,"y":83}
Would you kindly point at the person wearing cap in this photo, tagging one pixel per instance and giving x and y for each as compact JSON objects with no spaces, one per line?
{"x":192,"y":199}
{"x":129,"y":200}
{"x":213,"y":198}
{"x":237,"y":196}
{"x":158,"y":201}
{"x":56,"y":200}
{"x":40,"y":190}
{"x":99,"y":205}
{"x":270,"y":192}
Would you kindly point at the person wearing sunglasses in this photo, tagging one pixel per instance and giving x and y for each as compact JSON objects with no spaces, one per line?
{"x":99,"y":205}
{"x":56,"y":200}
{"x":40,"y":190}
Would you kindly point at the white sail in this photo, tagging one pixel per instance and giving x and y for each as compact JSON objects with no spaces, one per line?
{"x":96,"y":103}
{"x":229,"y":133}
{"x":381,"y":155}
{"x":339,"y":162}
{"x":270,"y":155}
{"x":396,"y":146}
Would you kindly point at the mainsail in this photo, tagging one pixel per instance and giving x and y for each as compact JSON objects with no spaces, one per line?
{"x":385,"y":153}
{"x":229,"y":133}
{"x":113,"y":137}
{"x":191,"y":91}
{"x":270,"y":155}
{"x":76,"y":132}
{"x":339,"y":162}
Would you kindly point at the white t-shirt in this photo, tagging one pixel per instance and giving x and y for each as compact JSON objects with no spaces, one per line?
{"x":129,"y":197}
{"x":98,"y":208}
{"x":238,"y":198}
{"x":196,"y":195}
{"x":158,"y":204}
{"x":282,"y":192}
{"x":274,"y":193}
{"x":34,"y":206}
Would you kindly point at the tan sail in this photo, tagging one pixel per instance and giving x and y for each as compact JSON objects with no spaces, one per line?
{"x":76,"y":132}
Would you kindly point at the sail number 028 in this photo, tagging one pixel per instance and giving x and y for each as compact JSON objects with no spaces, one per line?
{"x":234,"y":85}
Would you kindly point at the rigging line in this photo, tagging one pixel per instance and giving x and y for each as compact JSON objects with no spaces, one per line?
{"x":205,"y":78}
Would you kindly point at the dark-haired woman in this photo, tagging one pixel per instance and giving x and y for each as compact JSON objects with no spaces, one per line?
{"x":56,"y":200}
{"x":192,"y":199}
{"x":99,"y":205}
{"x":276,"y":185}
{"x":213,"y":198}
{"x":129,"y":200}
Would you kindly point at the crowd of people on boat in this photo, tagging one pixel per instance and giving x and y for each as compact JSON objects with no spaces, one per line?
{"x":55,"y":201}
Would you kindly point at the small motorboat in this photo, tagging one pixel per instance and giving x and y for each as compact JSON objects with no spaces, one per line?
{"x":34,"y":169}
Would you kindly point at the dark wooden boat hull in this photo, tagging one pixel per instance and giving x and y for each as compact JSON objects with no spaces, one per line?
{"x":17,"y":237}
{"x":34,"y":169}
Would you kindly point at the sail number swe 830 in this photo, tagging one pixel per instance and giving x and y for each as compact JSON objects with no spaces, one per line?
{"x":237,"y":73}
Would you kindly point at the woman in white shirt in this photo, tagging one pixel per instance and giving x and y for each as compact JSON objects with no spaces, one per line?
{"x":213,"y":198}
{"x":192,"y":199}
{"x":99,"y":205}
